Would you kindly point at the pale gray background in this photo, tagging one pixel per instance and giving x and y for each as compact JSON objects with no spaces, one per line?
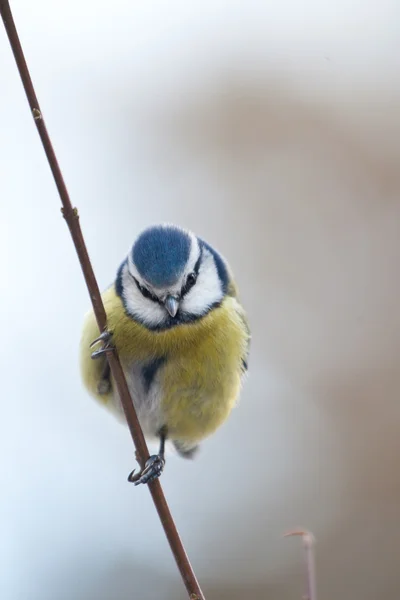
{"x":271,"y":129}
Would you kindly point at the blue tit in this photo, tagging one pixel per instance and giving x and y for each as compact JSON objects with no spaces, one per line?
{"x":182,"y":337}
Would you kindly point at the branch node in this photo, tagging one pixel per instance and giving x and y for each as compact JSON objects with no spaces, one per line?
{"x":74,"y":213}
{"x":37,"y":115}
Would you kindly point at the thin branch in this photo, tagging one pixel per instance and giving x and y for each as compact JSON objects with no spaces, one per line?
{"x":72,"y":218}
{"x":308,"y":545}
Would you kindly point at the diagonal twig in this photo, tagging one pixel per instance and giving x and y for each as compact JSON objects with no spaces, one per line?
{"x":72,"y":218}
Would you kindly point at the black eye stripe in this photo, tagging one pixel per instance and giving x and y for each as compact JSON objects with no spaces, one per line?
{"x":145,"y":292}
{"x":197,"y":265}
{"x":191,"y":278}
{"x":188,"y":286}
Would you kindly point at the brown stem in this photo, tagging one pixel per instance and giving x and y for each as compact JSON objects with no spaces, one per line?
{"x":72,"y":218}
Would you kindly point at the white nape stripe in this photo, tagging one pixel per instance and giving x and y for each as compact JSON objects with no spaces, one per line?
{"x":193,"y":256}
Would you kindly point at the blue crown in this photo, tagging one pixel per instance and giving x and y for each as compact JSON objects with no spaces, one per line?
{"x":160,"y":254}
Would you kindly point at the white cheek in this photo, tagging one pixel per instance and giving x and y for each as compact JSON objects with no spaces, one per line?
{"x":207,"y":290}
{"x":144,"y":309}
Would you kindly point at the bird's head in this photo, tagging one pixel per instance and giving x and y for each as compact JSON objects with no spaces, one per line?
{"x":171,"y":277}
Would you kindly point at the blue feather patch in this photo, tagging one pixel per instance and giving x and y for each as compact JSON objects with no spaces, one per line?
{"x":160,"y":254}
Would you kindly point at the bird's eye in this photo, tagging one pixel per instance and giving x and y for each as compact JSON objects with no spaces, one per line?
{"x":145,"y":292}
{"x":191,"y":279}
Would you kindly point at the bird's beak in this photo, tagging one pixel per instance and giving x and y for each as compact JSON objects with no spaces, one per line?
{"x":172,"y":305}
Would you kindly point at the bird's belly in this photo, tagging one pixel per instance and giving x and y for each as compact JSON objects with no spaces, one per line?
{"x":192,"y":399}
{"x":198,"y":397}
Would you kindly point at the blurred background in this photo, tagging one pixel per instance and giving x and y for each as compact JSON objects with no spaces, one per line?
{"x":273,"y":131}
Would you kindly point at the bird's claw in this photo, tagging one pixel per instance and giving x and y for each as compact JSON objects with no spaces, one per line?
{"x":105,"y":338}
{"x":152,"y":470}
{"x":102,"y":351}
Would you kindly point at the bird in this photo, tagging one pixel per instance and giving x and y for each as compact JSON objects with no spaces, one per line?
{"x":182,"y":337}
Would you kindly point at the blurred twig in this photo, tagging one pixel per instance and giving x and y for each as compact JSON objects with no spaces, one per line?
{"x":308,"y":545}
{"x":72,"y":218}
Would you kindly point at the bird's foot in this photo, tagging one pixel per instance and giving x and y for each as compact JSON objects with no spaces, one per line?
{"x":152,"y":470}
{"x":105,"y":337}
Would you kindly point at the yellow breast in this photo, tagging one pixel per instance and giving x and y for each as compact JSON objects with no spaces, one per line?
{"x":202,"y":373}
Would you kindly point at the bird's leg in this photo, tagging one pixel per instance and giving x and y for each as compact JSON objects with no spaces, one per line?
{"x":154,"y":465}
{"x":104,"y":385}
{"x":105,"y":338}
